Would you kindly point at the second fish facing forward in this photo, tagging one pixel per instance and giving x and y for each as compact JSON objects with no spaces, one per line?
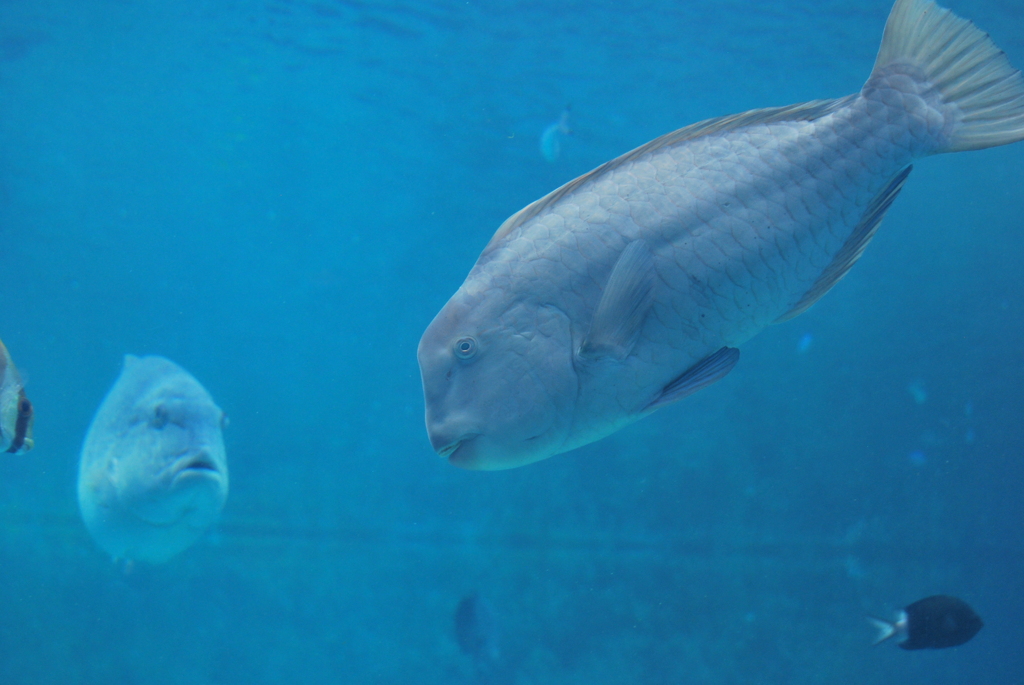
{"x":153,"y":473}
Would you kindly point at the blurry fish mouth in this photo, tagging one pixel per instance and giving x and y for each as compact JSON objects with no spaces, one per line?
{"x":202,"y":465}
{"x":451,"y":448}
{"x":199,"y":463}
{"x":446,"y":452}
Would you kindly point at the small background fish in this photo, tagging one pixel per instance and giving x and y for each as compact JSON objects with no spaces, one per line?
{"x":936,"y":622}
{"x":16,"y":412}
{"x":551,"y":138}
{"x":478,"y":636}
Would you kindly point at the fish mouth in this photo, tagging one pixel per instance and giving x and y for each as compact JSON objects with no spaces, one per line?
{"x":202,"y":465}
{"x":197,"y":464}
{"x":449,"y":450}
{"x":446,"y":452}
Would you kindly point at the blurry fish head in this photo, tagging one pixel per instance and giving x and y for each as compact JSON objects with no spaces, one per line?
{"x":16,"y":411}
{"x":178,"y":473}
{"x":153,"y":470}
{"x":498,"y":380}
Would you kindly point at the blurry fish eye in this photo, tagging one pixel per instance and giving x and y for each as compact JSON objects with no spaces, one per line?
{"x":465,"y":348}
{"x":24,"y":407}
{"x":160,"y":416}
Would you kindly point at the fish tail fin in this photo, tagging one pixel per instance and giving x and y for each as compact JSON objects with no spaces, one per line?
{"x":886,"y":629}
{"x":958,"y":70}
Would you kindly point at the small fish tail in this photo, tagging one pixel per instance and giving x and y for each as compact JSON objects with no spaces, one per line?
{"x":886,"y":629}
{"x":979,"y":94}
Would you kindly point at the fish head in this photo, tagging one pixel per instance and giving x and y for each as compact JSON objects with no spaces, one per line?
{"x":153,"y":471}
{"x":498,"y":380}
{"x":174,"y":472}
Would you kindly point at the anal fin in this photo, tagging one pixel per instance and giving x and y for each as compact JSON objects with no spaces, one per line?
{"x":850,"y":252}
{"x":712,"y":368}
{"x":623,"y":308}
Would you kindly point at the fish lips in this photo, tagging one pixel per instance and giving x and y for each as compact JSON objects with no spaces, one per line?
{"x":198,"y":465}
{"x":450,"y":450}
{"x":460,"y":454}
{"x":192,"y":484}
{"x":477,"y":452}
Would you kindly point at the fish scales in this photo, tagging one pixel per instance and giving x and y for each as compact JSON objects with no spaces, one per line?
{"x":634,"y":284}
{"x":730,"y":247}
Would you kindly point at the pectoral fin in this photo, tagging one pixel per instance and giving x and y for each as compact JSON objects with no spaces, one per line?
{"x":627,"y":298}
{"x":702,"y":374}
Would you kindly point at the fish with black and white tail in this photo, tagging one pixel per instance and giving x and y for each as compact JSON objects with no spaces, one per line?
{"x":633,"y":286}
{"x":936,"y":622}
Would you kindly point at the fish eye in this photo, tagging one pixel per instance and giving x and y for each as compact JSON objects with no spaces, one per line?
{"x":160,"y":416}
{"x":24,"y":407}
{"x":465,"y":348}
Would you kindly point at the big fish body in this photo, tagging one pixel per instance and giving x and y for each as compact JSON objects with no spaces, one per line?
{"x":630,"y":287}
{"x":153,"y":472}
{"x":738,"y":227}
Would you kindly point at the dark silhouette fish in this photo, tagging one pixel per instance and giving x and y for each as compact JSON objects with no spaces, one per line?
{"x":476,"y":630}
{"x":934,"y":622}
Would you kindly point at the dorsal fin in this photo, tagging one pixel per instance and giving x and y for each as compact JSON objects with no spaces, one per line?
{"x":804,"y":111}
{"x":624,"y":304}
{"x":850,"y":252}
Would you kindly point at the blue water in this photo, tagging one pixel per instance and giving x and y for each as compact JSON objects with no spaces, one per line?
{"x":280,"y":194}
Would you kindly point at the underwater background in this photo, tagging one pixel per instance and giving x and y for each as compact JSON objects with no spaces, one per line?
{"x":280,"y":194}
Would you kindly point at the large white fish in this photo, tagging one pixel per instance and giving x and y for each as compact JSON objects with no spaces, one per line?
{"x":16,"y":411}
{"x":632,"y":286}
{"x":153,"y":474}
